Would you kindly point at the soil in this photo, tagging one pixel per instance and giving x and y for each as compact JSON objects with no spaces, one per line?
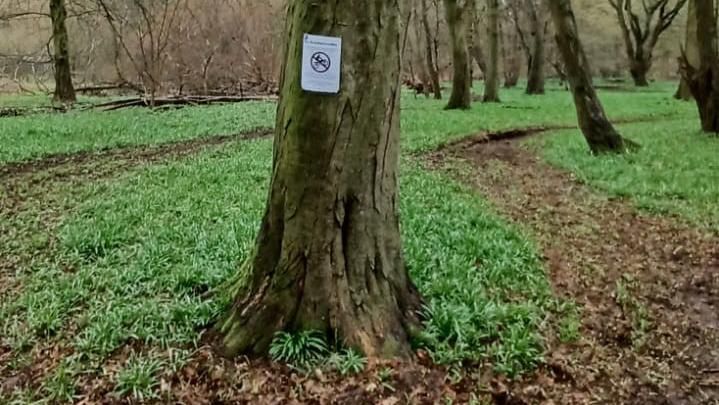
{"x":648,"y":287}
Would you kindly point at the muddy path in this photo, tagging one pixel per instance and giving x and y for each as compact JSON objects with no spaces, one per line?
{"x":648,"y":287}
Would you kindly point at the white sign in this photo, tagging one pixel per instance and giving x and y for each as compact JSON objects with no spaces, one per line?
{"x":321,"y":64}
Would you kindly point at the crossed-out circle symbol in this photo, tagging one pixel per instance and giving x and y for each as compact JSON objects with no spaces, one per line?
{"x":320,"y":62}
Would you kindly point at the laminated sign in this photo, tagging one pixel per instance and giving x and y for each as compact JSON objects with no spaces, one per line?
{"x":321,"y":64}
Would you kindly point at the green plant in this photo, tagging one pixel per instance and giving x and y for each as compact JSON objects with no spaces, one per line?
{"x":347,"y":361}
{"x":60,"y":387}
{"x":302,"y":350}
{"x":139,"y":378}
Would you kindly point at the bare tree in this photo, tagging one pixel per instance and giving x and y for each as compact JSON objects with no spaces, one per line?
{"x":459,"y":18}
{"x":691,"y":51}
{"x":641,"y":34}
{"x":703,"y":80}
{"x":598,"y":131}
{"x":64,"y":91}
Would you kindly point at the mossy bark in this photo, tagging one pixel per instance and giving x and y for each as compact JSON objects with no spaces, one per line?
{"x":703,"y":80}
{"x":535,"y":75}
{"x":598,"y":131}
{"x":459,"y":15}
{"x":491,"y":79}
{"x":64,"y":91}
{"x":328,"y":254}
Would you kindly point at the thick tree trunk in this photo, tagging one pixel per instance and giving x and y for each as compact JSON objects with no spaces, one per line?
{"x":328,"y":255}
{"x":691,"y":51}
{"x":458,"y":18}
{"x":535,"y":76}
{"x":639,"y":69}
{"x":64,"y":92}
{"x":491,"y":79}
{"x":704,"y":80}
{"x":598,"y":131}
{"x":431,"y":65}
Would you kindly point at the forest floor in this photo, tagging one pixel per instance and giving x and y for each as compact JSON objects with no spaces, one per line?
{"x":551,"y":276}
{"x":647,"y":286}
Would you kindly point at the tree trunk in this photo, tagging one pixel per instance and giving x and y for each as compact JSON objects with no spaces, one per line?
{"x":64,"y":92}
{"x":431,"y":65}
{"x":491,"y":80}
{"x":691,"y":51}
{"x":475,"y":47}
{"x":458,"y":18}
{"x":639,"y":69}
{"x":598,"y":131}
{"x":535,"y":76}
{"x":328,"y":255}
{"x":704,"y":80}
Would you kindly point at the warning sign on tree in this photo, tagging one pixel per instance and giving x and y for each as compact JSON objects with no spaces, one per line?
{"x":321,"y":63}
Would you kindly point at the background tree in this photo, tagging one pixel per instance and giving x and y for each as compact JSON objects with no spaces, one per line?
{"x":328,"y":255}
{"x":459,"y":17}
{"x":475,"y":47}
{"x":430,"y":50}
{"x":64,"y":91}
{"x":691,"y":50}
{"x":704,"y":80}
{"x":491,"y":79}
{"x":641,"y":35}
{"x":536,"y":61}
{"x":598,"y":131}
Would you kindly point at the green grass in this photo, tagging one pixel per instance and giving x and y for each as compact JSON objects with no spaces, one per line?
{"x":42,"y":134}
{"x":139,"y":257}
{"x":675,"y":172}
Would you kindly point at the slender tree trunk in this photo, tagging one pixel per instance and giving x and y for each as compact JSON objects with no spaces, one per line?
{"x":491,"y":80}
{"x":458,"y":18}
{"x":691,"y":51}
{"x":328,"y":255}
{"x":598,"y":131}
{"x":475,"y":47}
{"x":64,"y":92}
{"x":535,"y":76}
{"x":704,"y":80}
{"x":431,"y":65}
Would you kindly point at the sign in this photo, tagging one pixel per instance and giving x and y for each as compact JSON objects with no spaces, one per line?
{"x":321,"y":64}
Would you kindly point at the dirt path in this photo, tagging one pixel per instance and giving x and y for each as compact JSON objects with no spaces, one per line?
{"x":648,"y":287}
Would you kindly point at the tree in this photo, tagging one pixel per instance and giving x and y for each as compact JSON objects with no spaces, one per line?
{"x":328,"y":254}
{"x":431,"y":51}
{"x":491,"y":78}
{"x":641,"y":37}
{"x":691,"y":50}
{"x":535,"y":58}
{"x":703,"y":80}
{"x":64,"y":91}
{"x":598,"y":131}
{"x":459,"y":18}
{"x":475,"y":46}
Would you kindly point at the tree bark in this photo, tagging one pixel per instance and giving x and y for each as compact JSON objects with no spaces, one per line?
{"x":639,"y":69}
{"x":431,"y":65}
{"x":458,"y":17}
{"x":598,"y":131}
{"x":475,"y":47}
{"x":704,"y":80}
{"x":535,"y":76}
{"x":328,"y":254}
{"x":491,"y":80}
{"x":691,"y":51}
{"x":64,"y":91}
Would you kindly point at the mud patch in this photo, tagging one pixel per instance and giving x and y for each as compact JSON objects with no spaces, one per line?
{"x":648,"y":287}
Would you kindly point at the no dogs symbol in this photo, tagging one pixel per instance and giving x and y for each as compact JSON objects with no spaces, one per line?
{"x":320,"y":62}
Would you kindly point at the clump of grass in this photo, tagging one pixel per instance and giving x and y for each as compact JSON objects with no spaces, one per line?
{"x":303,"y":350}
{"x":138,"y":379}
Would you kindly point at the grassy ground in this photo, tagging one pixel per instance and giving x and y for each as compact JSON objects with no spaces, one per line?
{"x":124,"y":286}
{"x":675,"y":172}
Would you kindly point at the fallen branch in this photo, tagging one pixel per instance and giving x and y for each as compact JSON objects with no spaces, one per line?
{"x":177,"y":101}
